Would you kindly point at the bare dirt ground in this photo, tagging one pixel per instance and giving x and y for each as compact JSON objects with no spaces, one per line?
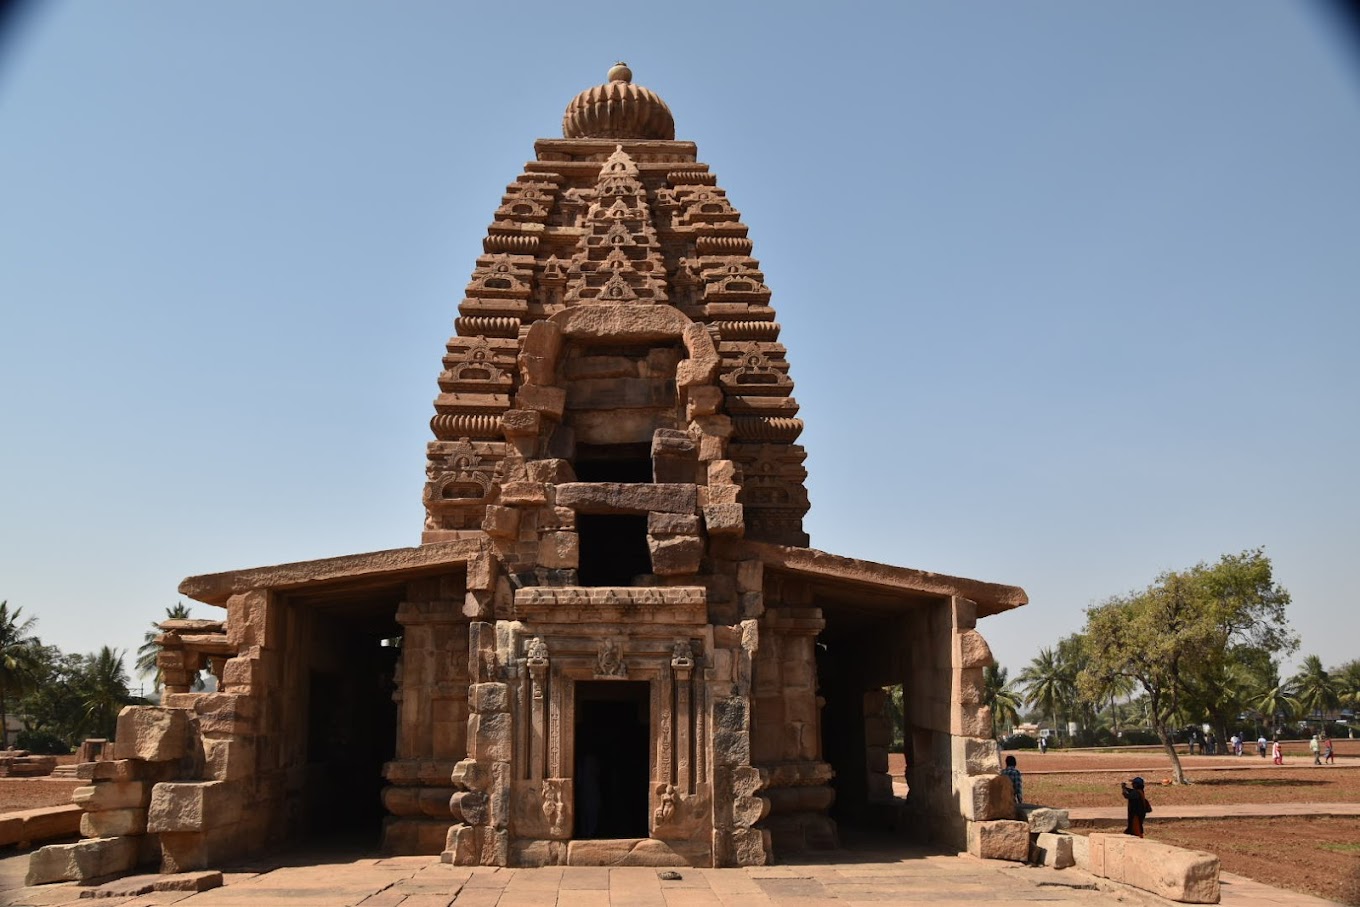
{"x":29,"y":793}
{"x":1318,"y":856}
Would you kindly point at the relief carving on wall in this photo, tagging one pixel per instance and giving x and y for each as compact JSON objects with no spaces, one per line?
{"x":609,"y":662}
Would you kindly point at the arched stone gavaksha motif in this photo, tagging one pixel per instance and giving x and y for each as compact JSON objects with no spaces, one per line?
{"x":613,"y":585}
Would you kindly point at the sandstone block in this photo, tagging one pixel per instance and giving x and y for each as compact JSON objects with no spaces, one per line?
{"x":524,"y":493}
{"x":193,"y":806}
{"x":41,"y":824}
{"x":970,"y":720}
{"x":489,"y":697}
{"x":1002,"y":839}
{"x":490,"y":737}
{"x":1045,"y":819}
{"x":971,"y":650}
{"x":87,"y":859}
{"x":251,"y":620}
{"x":672,"y":524}
{"x":229,"y":758}
{"x":105,"y":795}
{"x":1081,"y":852}
{"x":240,"y":672}
{"x":550,"y":401}
{"x":520,"y":423}
{"x":1051,"y":849}
{"x":152,"y":734}
{"x":538,"y":352}
{"x":623,"y":852}
{"x":460,"y":846}
{"x":986,"y":797}
{"x":718,"y":494}
{"x":725,"y":519}
{"x":559,"y":550}
{"x":553,"y":470}
{"x":676,"y":555}
{"x":501,"y":522}
{"x":1188,"y":876}
{"x":113,"y":823}
{"x":614,"y":497}
{"x":975,"y":755}
{"x":702,"y":400}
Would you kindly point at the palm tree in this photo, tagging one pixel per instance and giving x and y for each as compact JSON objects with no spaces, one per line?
{"x":998,"y":694}
{"x":1347,"y":679}
{"x":1272,"y":697}
{"x":20,"y":659}
{"x":105,"y":691}
{"x":149,"y":650}
{"x":1047,"y":685}
{"x":1315,"y":689}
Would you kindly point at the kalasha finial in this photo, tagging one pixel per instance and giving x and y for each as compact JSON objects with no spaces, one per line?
{"x":620,"y":72}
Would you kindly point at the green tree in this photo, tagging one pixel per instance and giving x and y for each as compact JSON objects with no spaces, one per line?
{"x":149,"y":650}
{"x":1273,"y":697}
{"x":1317,"y":693}
{"x":1348,"y":683}
{"x":998,"y":694}
{"x":1171,"y":632}
{"x":104,"y":691}
{"x":55,"y":705}
{"x":1047,"y":685}
{"x":20,"y":660}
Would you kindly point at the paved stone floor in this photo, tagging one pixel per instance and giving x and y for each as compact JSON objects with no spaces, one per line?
{"x":865,"y":876}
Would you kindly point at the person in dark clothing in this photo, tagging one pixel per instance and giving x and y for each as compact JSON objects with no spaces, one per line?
{"x":1138,"y":805}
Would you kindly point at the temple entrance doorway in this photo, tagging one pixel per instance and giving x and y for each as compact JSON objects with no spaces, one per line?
{"x":612,"y":759}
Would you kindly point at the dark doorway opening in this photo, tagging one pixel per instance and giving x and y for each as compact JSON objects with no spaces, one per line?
{"x":613,"y":463}
{"x":613,"y":756}
{"x":613,"y":548}
{"x":351,"y":720}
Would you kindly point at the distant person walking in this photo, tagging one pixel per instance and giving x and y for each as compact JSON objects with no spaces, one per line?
{"x":1043,"y":745}
{"x":1261,"y":745}
{"x":1138,"y":806}
{"x":1328,"y":755}
{"x":1017,"y":783}
{"x":1236,"y":744}
{"x":1315,"y":749}
{"x":1276,"y":753}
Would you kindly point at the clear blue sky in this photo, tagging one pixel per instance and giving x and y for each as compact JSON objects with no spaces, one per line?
{"x":1069,"y":289}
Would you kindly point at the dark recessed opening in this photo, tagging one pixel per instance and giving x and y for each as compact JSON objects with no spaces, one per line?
{"x":613,"y":753}
{"x":613,"y":548}
{"x":613,"y":463}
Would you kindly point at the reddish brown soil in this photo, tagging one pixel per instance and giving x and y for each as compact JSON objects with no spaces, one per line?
{"x":1319,"y":856}
{"x":29,"y":793}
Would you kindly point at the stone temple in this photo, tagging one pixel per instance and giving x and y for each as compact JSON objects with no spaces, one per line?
{"x":614,"y":644}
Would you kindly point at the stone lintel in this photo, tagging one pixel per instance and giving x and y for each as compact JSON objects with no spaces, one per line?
{"x":677,"y":605}
{"x":216,"y":588}
{"x":686,"y":151}
{"x":620,"y":497}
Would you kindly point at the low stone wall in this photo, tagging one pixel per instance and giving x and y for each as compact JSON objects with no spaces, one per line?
{"x":27,"y":826}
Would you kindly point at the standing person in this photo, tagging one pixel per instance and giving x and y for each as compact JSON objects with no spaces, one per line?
{"x":1275,"y":752}
{"x":1328,"y":755}
{"x":1315,"y":748}
{"x":1194,"y":739}
{"x":1043,"y":745}
{"x":1261,"y":745}
{"x":1017,"y":783}
{"x":1138,"y":805}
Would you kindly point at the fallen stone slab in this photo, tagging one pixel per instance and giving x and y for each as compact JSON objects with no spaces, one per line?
{"x":91,"y":858}
{"x":1043,"y":818}
{"x":1188,"y":876}
{"x":133,"y":886}
{"x":41,"y":824}
{"x":1051,"y":849}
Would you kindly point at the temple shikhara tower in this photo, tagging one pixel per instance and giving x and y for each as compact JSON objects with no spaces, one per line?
{"x":614,"y":644}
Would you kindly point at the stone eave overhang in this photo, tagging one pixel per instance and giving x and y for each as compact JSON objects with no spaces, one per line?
{"x":392,"y":564}
{"x":819,"y":567}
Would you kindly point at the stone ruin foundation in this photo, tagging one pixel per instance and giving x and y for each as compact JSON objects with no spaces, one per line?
{"x":613,"y":644}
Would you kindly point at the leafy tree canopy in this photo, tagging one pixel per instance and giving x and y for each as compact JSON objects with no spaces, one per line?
{"x":1171,"y":637}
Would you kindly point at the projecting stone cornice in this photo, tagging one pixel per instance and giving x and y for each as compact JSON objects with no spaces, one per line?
{"x":216,"y":588}
{"x":991,"y":598}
